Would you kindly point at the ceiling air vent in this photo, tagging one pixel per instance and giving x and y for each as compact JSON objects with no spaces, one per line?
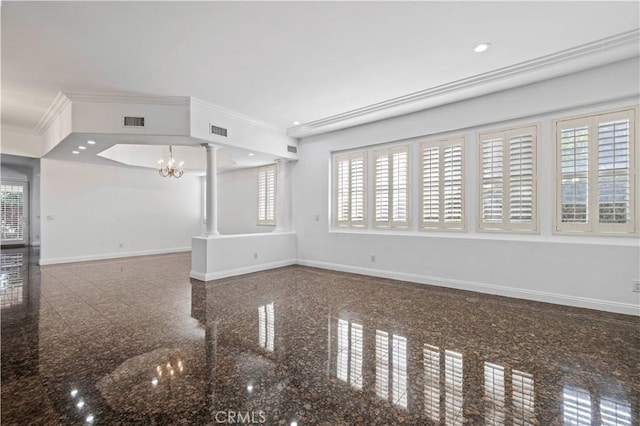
{"x":292,"y":149}
{"x":134,"y":122}
{"x":220,"y":131}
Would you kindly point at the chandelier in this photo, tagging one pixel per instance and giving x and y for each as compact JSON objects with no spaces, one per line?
{"x":171,"y":169}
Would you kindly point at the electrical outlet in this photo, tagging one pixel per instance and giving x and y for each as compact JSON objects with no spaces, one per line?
{"x":636,"y":286}
{"x":255,"y":254}
{"x":373,"y":258}
{"x":121,"y":245}
{"x":317,"y":218}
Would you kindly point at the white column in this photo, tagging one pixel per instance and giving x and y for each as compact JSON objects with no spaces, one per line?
{"x":283,"y":195}
{"x":212,"y":190}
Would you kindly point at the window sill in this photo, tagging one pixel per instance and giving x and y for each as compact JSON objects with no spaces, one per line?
{"x":492,"y":236}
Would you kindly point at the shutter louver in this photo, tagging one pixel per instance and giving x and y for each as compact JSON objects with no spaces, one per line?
{"x":350,"y":189}
{"x":267,"y":195}
{"x":452,"y":184}
{"x":392,"y":187}
{"x":400,"y":188}
{"x":357,"y":191}
{"x":382,"y":189}
{"x":574,"y":161}
{"x":431,"y":185}
{"x":613,"y":172}
{"x":521,"y":179}
{"x":343,"y":191}
{"x":492,"y":181}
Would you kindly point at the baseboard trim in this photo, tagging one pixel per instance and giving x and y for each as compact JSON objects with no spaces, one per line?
{"x":241,"y":271}
{"x":55,"y":261}
{"x":539,"y":296}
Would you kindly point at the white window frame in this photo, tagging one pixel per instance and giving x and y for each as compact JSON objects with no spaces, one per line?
{"x":441,"y":224}
{"x":505,"y":225}
{"x":593,"y":227}
{"x":389,"y":152}
{"x":350,"y":222}
{"x":269,"y":199}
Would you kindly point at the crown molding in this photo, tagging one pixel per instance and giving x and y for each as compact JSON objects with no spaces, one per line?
{"x":127,"y":98}
{"x":219,"y":109}
{"x":17,"y":129}
{"x":607,"y":50}
{"x":59,"y":103}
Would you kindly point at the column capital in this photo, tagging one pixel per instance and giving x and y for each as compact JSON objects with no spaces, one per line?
{"x":210,"y":146}
{"x":282,"y":160}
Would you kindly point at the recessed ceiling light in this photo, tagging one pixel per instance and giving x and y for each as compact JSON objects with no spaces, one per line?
{"x":82,"y":147}
{"x":295,"y":123}
{"x":482,"y":47}
{"x":251,"y":154}
{"x":75,"y":152}
{"x":91,"y":142}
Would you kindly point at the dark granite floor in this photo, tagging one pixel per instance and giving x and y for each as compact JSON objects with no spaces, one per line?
{"x":135,"y":342}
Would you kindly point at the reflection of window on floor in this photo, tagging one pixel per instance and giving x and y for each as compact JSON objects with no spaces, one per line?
{"x":350,"y":347}
{"x":494,"y":394}
{"x":523,"y":398}
{"x":11,"y":279}
{"x":266,"y":326}
{"x":396,"y":357}
{"x":576,"y":406}
{"x":453,"y":388}
{"x":432,"y":382}
{"x":614,"y":412}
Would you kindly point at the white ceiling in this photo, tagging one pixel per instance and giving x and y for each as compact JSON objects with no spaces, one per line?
{"x":278,"y":62}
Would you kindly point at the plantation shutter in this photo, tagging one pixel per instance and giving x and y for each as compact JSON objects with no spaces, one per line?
{"x":596,"y":174}
{"x":574,"y":175}
{"x":267,"y":195}
{"x":442,"y":188}
{"x":350,"y":189}
{"x":391,"y":187}
{"x":492,"y":181}
{"x":614,"y":173}
{"x":508,"y":180}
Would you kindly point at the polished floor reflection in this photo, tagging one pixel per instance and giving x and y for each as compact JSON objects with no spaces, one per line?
{"x":134,"y":341}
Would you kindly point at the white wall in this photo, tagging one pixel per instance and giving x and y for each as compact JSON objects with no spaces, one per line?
{"x":595,"y":272}
{"x":89,"y":210}
{"x":238,"y":203}
{"x":228,"y":255}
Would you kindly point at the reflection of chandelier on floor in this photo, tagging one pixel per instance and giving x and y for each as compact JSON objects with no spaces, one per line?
{"x":171,"y":169}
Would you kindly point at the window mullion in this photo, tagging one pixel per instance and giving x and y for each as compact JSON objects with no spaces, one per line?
{"x":593,"y":211}
{"x":441,"y":174}
{"x":506,"y":178}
